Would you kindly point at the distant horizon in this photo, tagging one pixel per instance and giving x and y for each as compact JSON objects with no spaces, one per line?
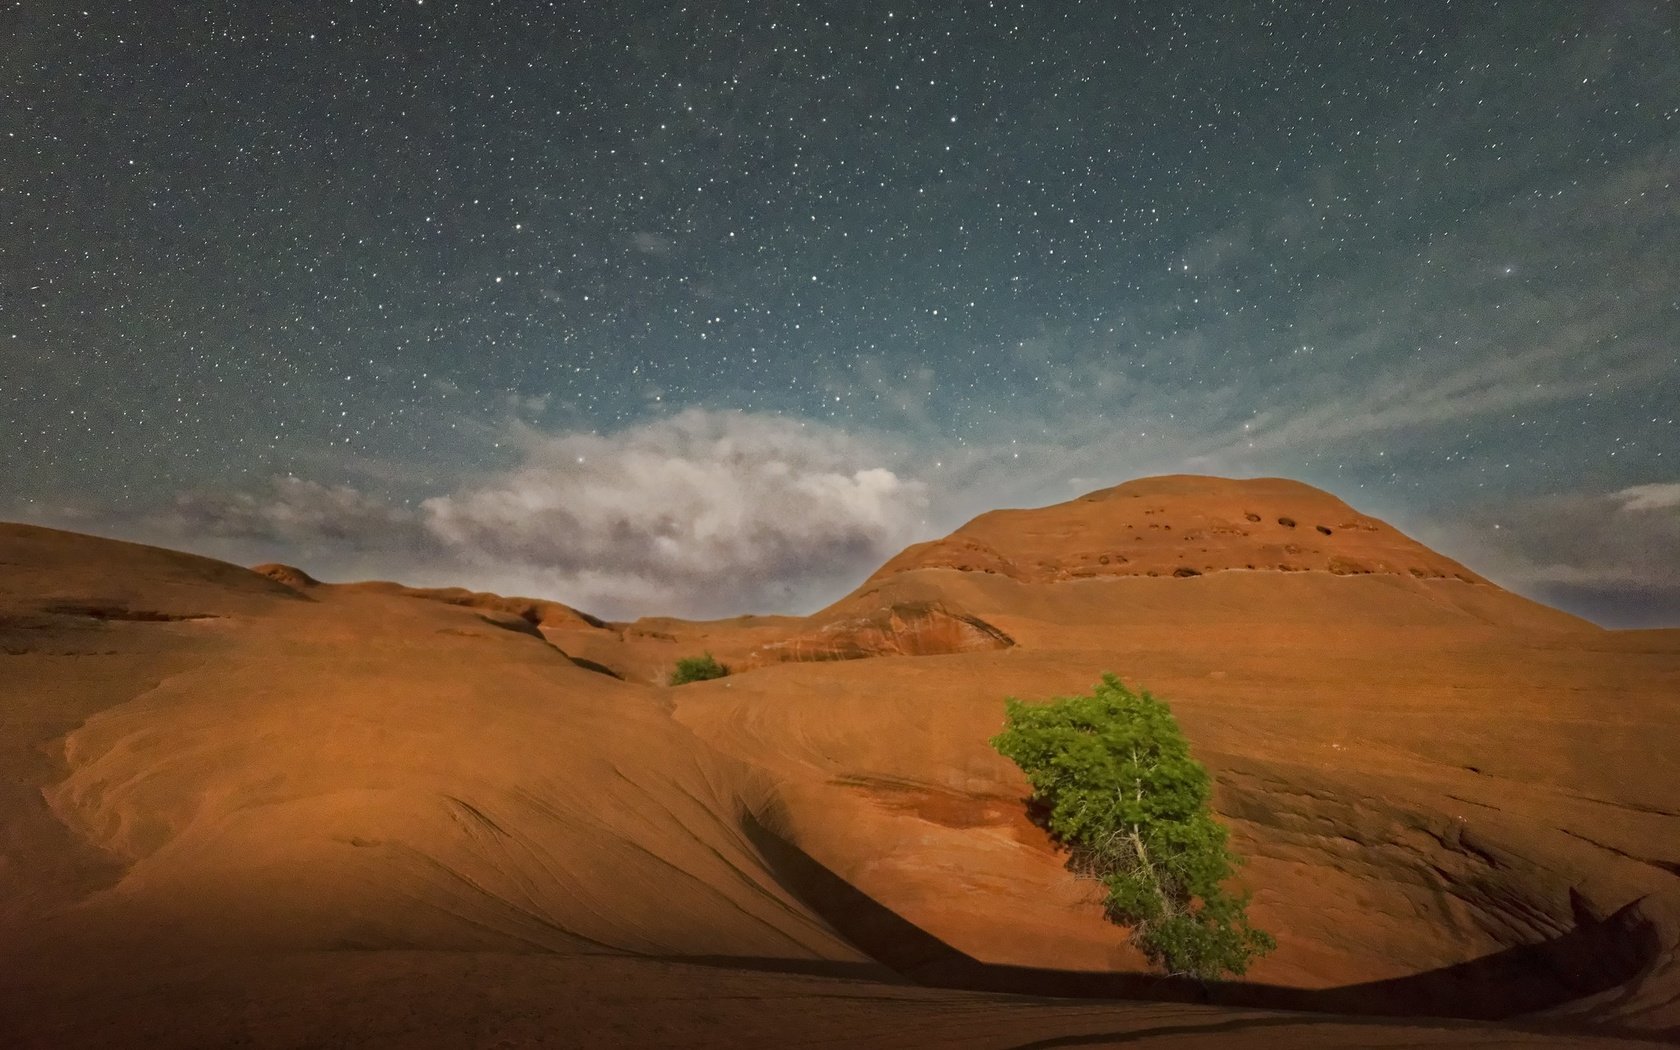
{"x":1609,"y":607}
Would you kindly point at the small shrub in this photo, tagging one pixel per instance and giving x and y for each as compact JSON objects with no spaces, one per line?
{"x":697,"y":669}
{"x":1123,"y":793}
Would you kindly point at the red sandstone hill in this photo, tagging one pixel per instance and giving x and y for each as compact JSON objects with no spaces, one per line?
{"x":1181,"y":526}
{"x":335,"y":814}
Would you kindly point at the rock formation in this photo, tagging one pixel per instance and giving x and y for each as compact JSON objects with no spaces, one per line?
{"x":329,"y":812}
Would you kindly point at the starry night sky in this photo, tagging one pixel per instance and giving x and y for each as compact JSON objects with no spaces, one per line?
{"x":709,"y":309}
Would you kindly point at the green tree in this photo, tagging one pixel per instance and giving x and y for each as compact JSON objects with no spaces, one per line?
{"x":697,"y":669}
{"x":1115,"y":773}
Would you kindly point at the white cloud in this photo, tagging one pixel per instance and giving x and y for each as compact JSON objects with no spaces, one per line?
{"x":292,"y":510}
{"x":1660,"y":496}
{"x":1575,"y":539}
{"x":652,"y":243}
{"x":706,"y":511}
{"x":700,"y":514}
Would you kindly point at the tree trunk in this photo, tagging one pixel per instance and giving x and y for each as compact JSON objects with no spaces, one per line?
{"x":1167,"y":908}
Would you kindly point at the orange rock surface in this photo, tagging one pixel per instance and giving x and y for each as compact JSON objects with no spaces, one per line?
{"x":253,"y":808}
{"x":1181,"y":526}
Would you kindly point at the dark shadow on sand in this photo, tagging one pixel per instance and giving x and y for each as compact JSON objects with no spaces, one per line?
{"x":1595,"y":956}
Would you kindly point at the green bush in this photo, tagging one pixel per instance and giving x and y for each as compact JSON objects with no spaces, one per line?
{"x":697,"y":669}
{"x":1115,"y":773}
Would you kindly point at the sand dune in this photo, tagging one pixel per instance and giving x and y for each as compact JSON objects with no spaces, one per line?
{"x":244,"y":805}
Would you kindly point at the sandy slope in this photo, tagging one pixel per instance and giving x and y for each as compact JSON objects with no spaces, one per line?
{"x":341,"y":815}
{"x":341,"y":771}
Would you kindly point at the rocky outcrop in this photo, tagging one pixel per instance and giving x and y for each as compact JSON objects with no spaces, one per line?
{"x":538,"y":612}
{"x":903,"y":629}
{"x":1181,"y":526}
{"x":289,"y":575}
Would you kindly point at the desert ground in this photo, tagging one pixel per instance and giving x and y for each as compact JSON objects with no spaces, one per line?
{"x":240,"y":807}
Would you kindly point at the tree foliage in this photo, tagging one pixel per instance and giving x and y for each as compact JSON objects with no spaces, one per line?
{"x":697,"y":669}
{"x":1122,"y":791}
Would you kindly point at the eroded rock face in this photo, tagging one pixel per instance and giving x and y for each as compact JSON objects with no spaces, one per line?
{"x":903,"y":629}
{"x":956,"y":551}
{"x":1182,"y":526}
{"x":538,"y":612}
{"x":290,"y":575}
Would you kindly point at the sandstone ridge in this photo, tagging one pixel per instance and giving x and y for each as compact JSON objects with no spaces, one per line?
{"x":1181,"y":526}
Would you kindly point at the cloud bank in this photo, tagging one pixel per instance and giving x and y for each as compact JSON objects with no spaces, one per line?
{"x":1661,"y":496}
{"x":1612,"y":556}
{"x":700,"y":514}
